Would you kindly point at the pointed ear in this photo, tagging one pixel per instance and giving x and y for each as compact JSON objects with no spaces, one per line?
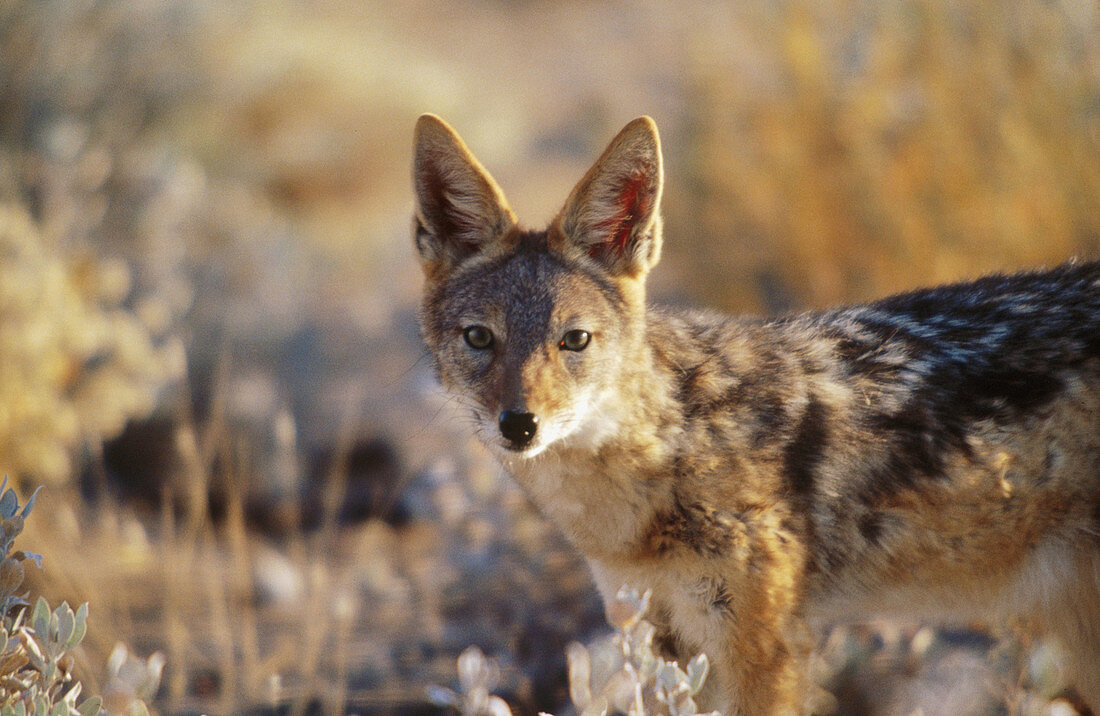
{"x":613,"y":213}
{"x":459,"y":208}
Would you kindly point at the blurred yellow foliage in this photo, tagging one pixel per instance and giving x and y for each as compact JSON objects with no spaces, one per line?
{"x":74,"y":363}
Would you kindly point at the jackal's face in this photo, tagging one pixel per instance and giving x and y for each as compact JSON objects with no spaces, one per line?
{"x":530,"y":330}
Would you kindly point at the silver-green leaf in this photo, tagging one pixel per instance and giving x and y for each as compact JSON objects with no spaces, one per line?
{"x":79,"y":628}
{"x":697,"y":673}
{"x":66,"y":622}
{"x":30,"y":502}
{"x":40,"y":620}
{"x":91,"y":706}
{"x":9,"y":503}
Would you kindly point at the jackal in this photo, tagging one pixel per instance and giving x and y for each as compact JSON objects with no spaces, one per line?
{"x":932,"y":455}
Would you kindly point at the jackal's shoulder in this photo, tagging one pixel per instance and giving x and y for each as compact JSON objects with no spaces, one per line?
{"x":1005,"y":331}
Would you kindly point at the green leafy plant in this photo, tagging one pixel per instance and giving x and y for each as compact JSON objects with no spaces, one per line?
{"x":633,"y":679}
{"x":35,"y":665}
{"x":636,"y":680}
{"x":477,"y":677}
{"x":131,"y":681}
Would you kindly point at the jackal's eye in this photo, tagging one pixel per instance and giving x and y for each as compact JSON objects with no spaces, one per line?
{"x":575,"y":340}
{"x":478,"y":337}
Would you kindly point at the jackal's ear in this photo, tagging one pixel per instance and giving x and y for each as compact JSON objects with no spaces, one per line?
{"x":459,"y":208}
{"x":613,"y":213}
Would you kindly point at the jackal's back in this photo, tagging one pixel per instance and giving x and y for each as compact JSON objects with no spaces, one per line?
{"x":997,"y":348}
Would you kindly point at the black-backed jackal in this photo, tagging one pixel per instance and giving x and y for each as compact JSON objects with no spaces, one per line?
{"x":935,"y":454}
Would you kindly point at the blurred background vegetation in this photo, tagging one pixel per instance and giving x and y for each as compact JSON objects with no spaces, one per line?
{"x":208,"y":349}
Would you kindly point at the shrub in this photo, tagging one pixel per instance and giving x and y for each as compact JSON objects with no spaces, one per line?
{"x":629,"y":676}
{"x":75,"y":364}
{"x":35,"y":664}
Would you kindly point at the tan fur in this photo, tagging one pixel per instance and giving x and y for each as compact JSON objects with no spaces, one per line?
{"x":935,"y":455}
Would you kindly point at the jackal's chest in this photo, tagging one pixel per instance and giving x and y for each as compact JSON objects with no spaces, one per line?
{"x":600,"y":509}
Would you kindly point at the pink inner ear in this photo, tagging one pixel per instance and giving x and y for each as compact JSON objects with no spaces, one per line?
{"x":631,"y":205}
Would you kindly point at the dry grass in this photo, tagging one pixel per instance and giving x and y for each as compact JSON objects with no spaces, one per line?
{"x":245,"y":168}
{"x":892,"y":145}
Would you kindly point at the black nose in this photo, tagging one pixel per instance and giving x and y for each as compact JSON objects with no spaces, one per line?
{"x":518,"y":427}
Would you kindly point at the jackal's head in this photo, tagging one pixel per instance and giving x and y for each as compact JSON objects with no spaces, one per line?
{"x":533,"y":330}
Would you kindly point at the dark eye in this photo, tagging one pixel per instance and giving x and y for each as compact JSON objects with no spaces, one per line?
{"x":478,"y":337}
{"x":575,"y":340}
